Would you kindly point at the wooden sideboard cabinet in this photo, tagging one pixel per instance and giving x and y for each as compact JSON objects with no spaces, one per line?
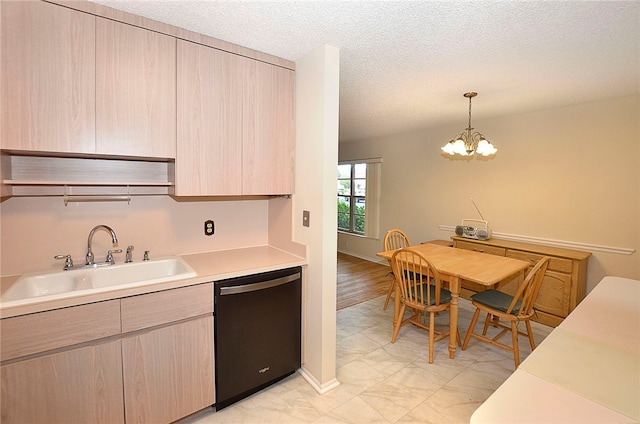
{"x":564,"y":284}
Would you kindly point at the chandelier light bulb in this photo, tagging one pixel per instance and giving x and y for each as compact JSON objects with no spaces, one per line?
{"x":485,"y":148}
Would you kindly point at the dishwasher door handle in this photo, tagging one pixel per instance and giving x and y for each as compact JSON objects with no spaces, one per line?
{"x":247,"y":288}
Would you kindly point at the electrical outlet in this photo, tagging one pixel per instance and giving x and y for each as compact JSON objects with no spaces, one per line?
{"x":209,"y":228}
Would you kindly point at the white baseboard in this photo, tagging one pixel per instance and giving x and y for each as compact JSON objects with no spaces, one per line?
{"x":320,"y":388}
{"x":366,"y":258}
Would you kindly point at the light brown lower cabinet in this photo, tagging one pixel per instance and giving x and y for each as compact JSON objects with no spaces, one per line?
{"x":82,"y":385}
{"x":168,"y":372}
{"x":140,"y":359}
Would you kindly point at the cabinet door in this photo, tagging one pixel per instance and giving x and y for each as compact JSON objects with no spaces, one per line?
{"x":209,"y":144}
{"x":135,"y":91}
{"x":168,"y":372}
{"x":48,"y":78}
{"x":554,"y":294}
{"x":268,"y":130}
{"x":77,"y":386}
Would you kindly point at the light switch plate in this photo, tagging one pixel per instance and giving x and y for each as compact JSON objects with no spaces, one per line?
{"x":305,"y":218}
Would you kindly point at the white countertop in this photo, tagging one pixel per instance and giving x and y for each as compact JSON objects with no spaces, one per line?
{"x":210,"y":266}
{"x":586,"y":371}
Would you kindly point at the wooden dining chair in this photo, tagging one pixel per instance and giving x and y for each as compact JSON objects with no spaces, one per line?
{"x":421,"y":291}
{"x":515,"y":309}
{"x":393,"y":240}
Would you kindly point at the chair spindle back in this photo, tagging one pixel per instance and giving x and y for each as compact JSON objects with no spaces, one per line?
{"x":415,"y":275}
{"x":395,"y":239}
{"x":528,"y":291}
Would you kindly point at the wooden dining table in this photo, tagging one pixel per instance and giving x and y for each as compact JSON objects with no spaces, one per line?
{"x":455,"y":265}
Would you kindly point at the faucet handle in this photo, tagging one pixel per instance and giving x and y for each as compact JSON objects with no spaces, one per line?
{"x":68,"y":262}
{"x":146,"y":255}
{"x":110,"y":255}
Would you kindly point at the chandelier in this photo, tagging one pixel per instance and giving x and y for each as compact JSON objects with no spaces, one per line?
{"x":466,"y":143}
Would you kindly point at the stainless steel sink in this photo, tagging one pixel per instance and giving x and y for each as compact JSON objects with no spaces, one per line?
{"x":69,"y":283}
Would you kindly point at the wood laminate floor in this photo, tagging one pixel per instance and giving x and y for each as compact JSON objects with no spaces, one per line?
{"x":360,"y":280}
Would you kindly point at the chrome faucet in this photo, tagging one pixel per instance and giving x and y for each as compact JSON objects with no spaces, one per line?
{"x":114,"y":240}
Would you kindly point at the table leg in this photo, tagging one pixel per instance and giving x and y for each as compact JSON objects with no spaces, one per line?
{"x":454,"y":287}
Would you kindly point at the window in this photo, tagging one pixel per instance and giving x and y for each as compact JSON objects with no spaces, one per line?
{"x":358,"y":183}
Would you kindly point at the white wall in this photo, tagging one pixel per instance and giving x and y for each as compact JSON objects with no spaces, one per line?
{"x":317,"y":93}
{"x":569,"y":174}
{"x":33,"y":230}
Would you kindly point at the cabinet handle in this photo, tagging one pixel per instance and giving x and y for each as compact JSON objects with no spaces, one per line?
{"x":246,"y":288}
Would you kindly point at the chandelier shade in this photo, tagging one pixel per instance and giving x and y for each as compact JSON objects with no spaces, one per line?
{"x":467,"y":143}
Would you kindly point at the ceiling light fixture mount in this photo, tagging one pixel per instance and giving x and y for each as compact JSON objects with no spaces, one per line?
{"x":466,"y":143}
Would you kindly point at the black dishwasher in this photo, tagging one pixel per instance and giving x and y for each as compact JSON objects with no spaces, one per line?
{"x":257,"y":332}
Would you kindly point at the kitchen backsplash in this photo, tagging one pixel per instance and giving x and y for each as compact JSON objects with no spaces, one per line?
{"x":35,"y":229}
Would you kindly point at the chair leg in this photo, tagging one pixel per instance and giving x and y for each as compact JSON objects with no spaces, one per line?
{"x":486,"y":324}
{"x":470,"y":330}
{"x":458,"y":337}
{"x":514,"y":338}
{"x":432,"y":330}
{"x":532,"y":342}
{"x":389,"y":292}
{"x":398,"y":323}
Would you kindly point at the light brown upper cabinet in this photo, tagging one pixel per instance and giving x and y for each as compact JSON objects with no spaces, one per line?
{"x":235,"y":124}
{"x":209,"y":145}
{"x":268,"y":139}
{"x":135,"y":91}
{"x":48,"y":78}
{"x":75,"y":83}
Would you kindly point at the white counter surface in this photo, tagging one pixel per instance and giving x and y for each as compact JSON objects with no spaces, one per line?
{"x":586,"y":371}
{"x":210,"y":266}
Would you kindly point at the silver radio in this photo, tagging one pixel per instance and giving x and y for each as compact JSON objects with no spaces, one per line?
{"x":474,"y":229}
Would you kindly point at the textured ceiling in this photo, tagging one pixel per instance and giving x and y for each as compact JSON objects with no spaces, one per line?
{"x":404,"y":65}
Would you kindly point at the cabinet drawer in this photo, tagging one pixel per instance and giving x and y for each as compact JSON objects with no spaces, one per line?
{"x":555,"y":264}
{"x":34,"y":333}
{"x":149,"y":310}
{"x":482,"y":248}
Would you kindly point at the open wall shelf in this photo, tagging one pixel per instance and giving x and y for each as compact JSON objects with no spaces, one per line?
{"x":24,"y":175}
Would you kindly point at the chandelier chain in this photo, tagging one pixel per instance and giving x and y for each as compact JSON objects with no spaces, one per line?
{"x":469,"y":127}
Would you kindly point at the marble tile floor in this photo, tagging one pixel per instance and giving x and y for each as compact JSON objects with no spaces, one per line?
{"x":383,"y":382}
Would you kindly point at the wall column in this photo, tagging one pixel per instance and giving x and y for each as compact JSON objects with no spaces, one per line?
{"x":316,"y":158}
